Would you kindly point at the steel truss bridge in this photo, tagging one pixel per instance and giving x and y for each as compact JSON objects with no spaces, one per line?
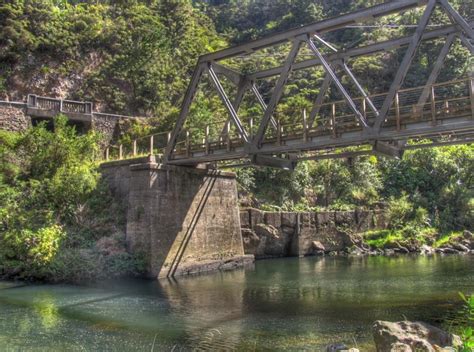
{"x":440,"y":113}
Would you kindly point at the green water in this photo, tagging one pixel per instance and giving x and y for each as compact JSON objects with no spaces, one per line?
{"x":282,"y":304}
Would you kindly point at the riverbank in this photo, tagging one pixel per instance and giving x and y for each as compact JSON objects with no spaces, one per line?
{"x":342,"y":233}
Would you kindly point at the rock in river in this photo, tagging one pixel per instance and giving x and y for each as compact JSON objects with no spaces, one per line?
{"x":409,"y":336}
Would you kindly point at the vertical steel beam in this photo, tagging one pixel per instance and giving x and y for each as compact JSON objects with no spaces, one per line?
{"x":338,"y":84}
{"x":225,"y":99}
{"x":435,"y":72}
{"x":457,"y":18}
{"x":319,"y":100}
{"x":188,"y":98}
{"x":277,"y":92}
{"x":404,"y":66}
{"x":262,"y":103}
{"x":359,"y":87}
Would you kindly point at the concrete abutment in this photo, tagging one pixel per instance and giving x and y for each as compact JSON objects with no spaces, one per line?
{"x":181,"y":220}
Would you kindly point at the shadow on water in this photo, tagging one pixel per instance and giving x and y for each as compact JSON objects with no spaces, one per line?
{"x":286,"y":304}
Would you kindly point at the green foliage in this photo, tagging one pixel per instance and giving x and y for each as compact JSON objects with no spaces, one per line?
{"x":53,"y":206}
{"x":467,"y":334}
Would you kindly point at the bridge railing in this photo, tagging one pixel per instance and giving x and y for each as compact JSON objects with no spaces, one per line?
{"x":445,"y":100}
{"x":59,"y":105}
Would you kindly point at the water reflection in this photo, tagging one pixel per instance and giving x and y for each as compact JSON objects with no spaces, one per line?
{"x":290,"y":304}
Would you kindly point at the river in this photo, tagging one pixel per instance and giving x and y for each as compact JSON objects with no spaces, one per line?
{"x":280,"y":304}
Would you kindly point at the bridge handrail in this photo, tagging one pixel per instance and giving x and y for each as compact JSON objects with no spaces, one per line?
{"x":431,"y":109}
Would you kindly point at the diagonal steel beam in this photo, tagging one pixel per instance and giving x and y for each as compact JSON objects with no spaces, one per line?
{"x":319,"y":100}
{"x":262,"y":103}
{"x":457,"y":18}
{"x":225,"y":99}
{"x":326,"y":25}
{"x":467,"y":43}
{"x":188,"y":98}
{"x":359,"y":87}
{"x":234,"y":76}
{"x":405,"y":65}
{"x":338,"y":84}
{"x":360,"y":51}
{"x":277,"y":92}
{"x":435,"y":72}
{"x":242,"y":87}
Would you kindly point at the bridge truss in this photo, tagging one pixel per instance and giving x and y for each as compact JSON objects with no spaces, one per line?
{"x":439,"y":112}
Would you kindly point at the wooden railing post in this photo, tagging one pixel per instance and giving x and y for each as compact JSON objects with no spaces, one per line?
{"x":206,"y":140}
{"x":446,"y":108}
{"x":333,"y":120}
{"x":227,"y":133}
{"x":251,"y":127}
{"x":397,"y":112}
{"x":120,"y":152}
{"x":188,"y":144}
{"x":168,"y":137}
{"x":433,"y":106}
{"x":61,"y":107}
{"x":364,"y":108}
{"x":107,"y":154}
{"x":278,"y":132}
{"x":471,"y":96}
{"x":151,"y":145}
{"x":134,"y":147}
{"x":305,"y":126}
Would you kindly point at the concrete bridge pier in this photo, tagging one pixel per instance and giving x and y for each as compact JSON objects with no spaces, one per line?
{"x":182,"y":220}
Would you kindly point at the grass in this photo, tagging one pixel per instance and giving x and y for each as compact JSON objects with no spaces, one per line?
{"x":380,"y":239}
{"x":447,"y":238}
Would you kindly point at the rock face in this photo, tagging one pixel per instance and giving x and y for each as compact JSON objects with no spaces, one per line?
{"x":411,"y":336}
{"x":278,"y":234}
{"x":13,"y":117}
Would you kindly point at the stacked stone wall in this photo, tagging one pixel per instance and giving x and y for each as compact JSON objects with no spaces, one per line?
{"x":279,"y":234}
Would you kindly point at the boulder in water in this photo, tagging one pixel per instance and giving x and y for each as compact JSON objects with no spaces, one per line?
{"x":406,"y":336}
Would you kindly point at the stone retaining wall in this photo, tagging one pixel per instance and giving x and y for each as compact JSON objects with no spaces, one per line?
{"x":279,"y":234}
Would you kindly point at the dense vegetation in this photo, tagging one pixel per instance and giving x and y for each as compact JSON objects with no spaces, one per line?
{"x":57,"y":221}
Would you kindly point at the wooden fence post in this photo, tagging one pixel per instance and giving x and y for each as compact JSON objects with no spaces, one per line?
{"x":151,"y":145}
{"x":305,"y":126}
{"x":120,"y":152}
{"x":433,"y":106}
{"x":206,"y":140}
{"x":471,"y":96}
{"x":333,"y":120}
{"x":397,"y":111}
{"x":134,"y":147}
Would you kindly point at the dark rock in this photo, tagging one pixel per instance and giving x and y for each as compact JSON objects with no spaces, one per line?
{"x":244,"y":219}
{"x":460,"y":247}
{"x":318,"y":246}
{"x":426,"y":250}
{"x":250,"y":240}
